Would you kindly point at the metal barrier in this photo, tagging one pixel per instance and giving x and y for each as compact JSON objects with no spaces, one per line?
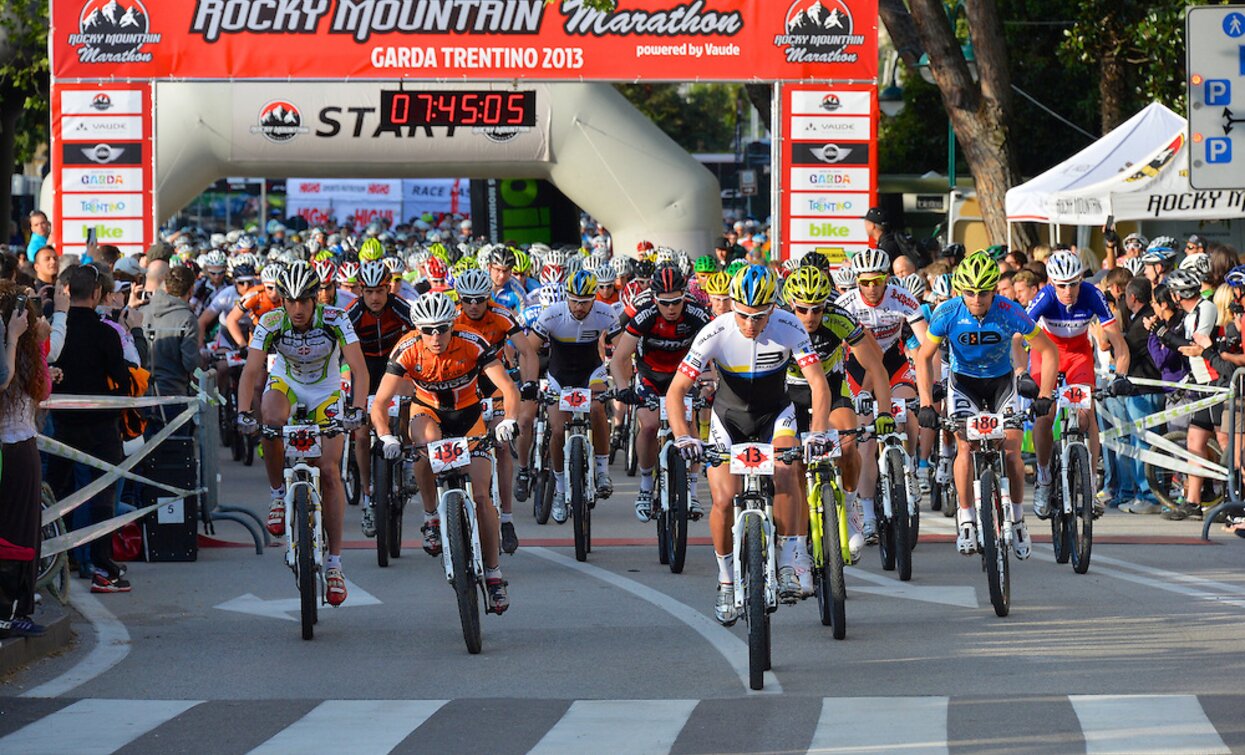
{"x":1235,"y":503}
{"x":209,"y":447}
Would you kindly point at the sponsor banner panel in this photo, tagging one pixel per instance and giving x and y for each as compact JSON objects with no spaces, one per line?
{"x":102,"y":102}
{"x":837,"y":253}
{"x":320,"y":211}
{"x":1210,"y":205}
{"x":436,"y":195}
{"x":104,"y":153}
{"x":89,"y":206}
{"x":840,"y":230}
{"x":830,"y":153}
{"x":96,"y":127}
{"x":830,"y":103}
{"x":668,"y":40}
{"x":816,"y":128}
{"x":102,"y":179}
{"x":106,"y":231}
{"x":831,"y":178}
{"x":360,"y":123}
{"x":846,"y":205}
{"x":383,"y":189}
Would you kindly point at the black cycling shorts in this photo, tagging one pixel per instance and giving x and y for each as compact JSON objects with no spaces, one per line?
{"x":968,"y":395}
{"x":802,"y":398}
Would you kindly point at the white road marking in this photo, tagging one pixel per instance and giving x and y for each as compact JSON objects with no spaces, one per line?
{"x":1221,"y":593}
{"x":355,"y":726}
{"x":288,"y":608}
{"x":1140,"y":724}
{"x":733,"y":649}
{"x":882,"y":724}
{"x":112,"y":645}
{"x":633,"y":726}
{"x":93,"y":726}
{"x":949,"y":595}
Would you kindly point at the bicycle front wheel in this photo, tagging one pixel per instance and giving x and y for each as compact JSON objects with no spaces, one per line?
{"x":458,"y":538}
{"x":1060,"y":536}
{"x":633,"y":455}
{"x":754,"y":602}
{"x":1081,"y":521}
{"x":676,"y":518}
{"x":578,"y":497}
{"x":831,"y":586}
{"x":306,"y":563}
{"x":382,"y":494}
{"x":901,"y":521}
{"x":995,"y":550}
{"x":351,"y":478}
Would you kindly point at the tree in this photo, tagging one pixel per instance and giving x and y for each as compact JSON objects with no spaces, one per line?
{"x":979,"y":110}
{"x":700,"y":117}
{"x":23,"y":88}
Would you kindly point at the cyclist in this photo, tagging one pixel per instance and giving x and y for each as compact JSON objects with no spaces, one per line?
{"x":506,"y":290}
{"x":498,"y":327}
{"x":310,"y":340}
{"x":832,"y":330}
{"x":658,"y":336}
{"x":348,"y":278}
{"x":575,"y":330}
{"x":751,"y":348}
{"x":977,"y":328}
{"x":379,"y":320}
{"x":607,"y":291}
{"x":883,"y":308}
{"x":1065,"y":308}
{"x":330,"y":293}
{"x":255,"y":303}
{"x":443,"y":364}
{"x":211,"y":282}
{"x":718,"y":288}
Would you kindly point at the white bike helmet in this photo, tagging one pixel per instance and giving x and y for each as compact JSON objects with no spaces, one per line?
{"x":844,"y":278}
{"x":298,"y":281}
{"x":1133,"y":265}
{"x":1064,"y":267}
{"x":473,"y":282}
{"x":550,"y":295}
{"x":373,"y":274}
{"x":915,"y":285}
{"x":433,"y":309}
{"x":871,"y":262}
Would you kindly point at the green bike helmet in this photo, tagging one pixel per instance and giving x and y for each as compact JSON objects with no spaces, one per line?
{"x":706,"y":264}
{"x":978,"y":272}
{"x":371,"y":251}
{"x":733,"y":268}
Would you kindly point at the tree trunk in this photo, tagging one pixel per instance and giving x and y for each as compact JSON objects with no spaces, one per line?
{"x":1112,"y":91}
{"x":762,"y":97}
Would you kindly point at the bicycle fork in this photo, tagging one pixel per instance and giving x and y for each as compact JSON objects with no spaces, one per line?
{"x":476,"y":566}
{"x":771,"y":576}
{"x":295,"y":479}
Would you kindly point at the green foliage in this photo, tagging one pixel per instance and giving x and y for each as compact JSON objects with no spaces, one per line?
{"x":915,"y":141}
{"x":24,"y":71}
{"x":700,"y":117}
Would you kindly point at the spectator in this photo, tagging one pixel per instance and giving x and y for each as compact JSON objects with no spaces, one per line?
{"x":40,"y":232}
{"x":46,"y":270}
{"x":92,"y":364}
{"x":1017,"y":259}
{"x":903,"y":266}
{"x":1133,"y":491}
{"x":107,"y":255}
{"x":1222,"y":259}
{"x":1006,"y":287}
{"x":172,"y":330}
{"x":8,"y":267}
{"x":1039,"y":253}
{"x":1025,"y":285}
{"x":726,"y":252}
{"x":877,"y":226}
{"x":23,"y":385}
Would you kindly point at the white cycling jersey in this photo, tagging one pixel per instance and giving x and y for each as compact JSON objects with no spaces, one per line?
{"x":573,"y":352}
{"x":885,"y":319}
{"x":309,"y":357}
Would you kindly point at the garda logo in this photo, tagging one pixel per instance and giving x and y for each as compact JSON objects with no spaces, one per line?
{"x":279,"y":122}
{"x":113,"y":31}
{"x":820,"y":31}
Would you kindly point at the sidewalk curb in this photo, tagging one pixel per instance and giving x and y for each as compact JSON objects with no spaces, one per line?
{"x":16,"y":652}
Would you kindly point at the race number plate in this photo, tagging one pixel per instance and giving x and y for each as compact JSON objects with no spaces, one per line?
{"x":687,"y":408}
{"x":752,"y":458}
{"x":393,"y":406}
{"x":451,"y":453}
{"x":577,"y":400}
{"x":486,"y":409}
{"x":1075,"y":397}
{"x":301,"y":441}
{"x":899,"y":410}
{"x":234,"y":359}
{"x":985,"y":427}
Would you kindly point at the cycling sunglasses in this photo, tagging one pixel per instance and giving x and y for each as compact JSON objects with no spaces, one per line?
{"x":878,"y":280}
{"x":473,"y":299}
{"x":669,"y":302}
{"x":757,"y":317}
{"x":436,"y":330}
{"x":976,"y":294}
{"x":803,"y":310}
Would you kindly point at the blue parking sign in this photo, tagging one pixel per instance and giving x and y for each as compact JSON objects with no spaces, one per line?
{"x":1217,"y":92}
{"x":1219,"y":150}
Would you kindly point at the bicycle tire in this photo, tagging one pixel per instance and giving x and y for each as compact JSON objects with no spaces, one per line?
{"x":676,"y":518}
{"x":248,"y":459}
{"x":754,"y":601}
{"x":661,"y":518}
{"x":49,"y":565}
{"x":900,"y":524}
{"x":305,"y":561}
{"x":914,"y":527}
{"x":828,"y":574}
{"x":633,"y":453}
{"x":578,"y":498}
{"x":886,"y":535}
{"x":382,"y":492}
{"x":950,"y":501}
{"x":1166,"y":485}
{"x":542,"y":496}
{"x":397,"y":505}
{"x":995,"y":551}
{"x":615,"y":447}
{"x":351,"y":478}
{"x":935,"y":490}
{"x":1081,"y":524}
{"x":458,"y":538}
{"x":1059,"y":535}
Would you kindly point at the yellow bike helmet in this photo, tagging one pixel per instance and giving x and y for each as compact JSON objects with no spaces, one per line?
{"x":718,"y":284}
{"x":978,"y":272}
{"x":807,"y":284}
{"x":583,"y":284}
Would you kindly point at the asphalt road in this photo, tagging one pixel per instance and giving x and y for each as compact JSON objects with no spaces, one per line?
{"x":1143,"y":654}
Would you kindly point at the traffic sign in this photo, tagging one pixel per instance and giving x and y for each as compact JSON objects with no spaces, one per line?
{"x":1215,"y":58}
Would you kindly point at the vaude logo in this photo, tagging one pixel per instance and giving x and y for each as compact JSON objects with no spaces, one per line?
{"x":819,"y":31}
{"x":96,"y":125}
{"x":101,"y":102}
{"x":113,"y":31}
{"x":828,"y":231}
{"x":279,"y":122}
{"x":102,"y":153}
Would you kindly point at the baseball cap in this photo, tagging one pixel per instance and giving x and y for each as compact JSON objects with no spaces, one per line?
{"x":876,"y":215}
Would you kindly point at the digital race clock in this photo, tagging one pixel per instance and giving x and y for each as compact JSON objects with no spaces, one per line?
{"x":457,"y":108}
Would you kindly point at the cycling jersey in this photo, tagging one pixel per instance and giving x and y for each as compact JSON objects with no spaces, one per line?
{"x":753,"y":371}
{"x":344,"y":298}
{"x":885,"y":319}
{"x":379,"y":332}
{"x":310,"y":356}
{"x":911,"y":342}
{"x":447,"y":381}
{"x":496,"y":326}
{"x":837,"y":328}
{"x":511,"y":295}
{"x":612,"y":299}
{"x":662,"y":343}
{"x":573,"y":353}
{"x":256,"y":303}
{"x":202,"y":293}
{"x":981,"y":347}
{"x":1068,"y":326}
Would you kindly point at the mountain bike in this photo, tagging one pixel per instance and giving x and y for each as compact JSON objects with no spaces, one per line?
{"x":241,"y":446}
{"x":350,"y":465}
{"x":671,"y":491}
{"x":991,"y":498}
{"x":393,"y":484}
{"x":896,"y":511}
{"x":1168,"y":486}
{"x":756,"y":564}
{"x":578,"y":467}
{"x":306,"y":544}
{"x":450,"y":459}
{"x":1072,"y":498}
{"x":828,"y":535}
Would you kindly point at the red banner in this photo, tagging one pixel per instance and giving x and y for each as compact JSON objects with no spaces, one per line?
{"x":654,"y":40}
{"x":102,"y":153}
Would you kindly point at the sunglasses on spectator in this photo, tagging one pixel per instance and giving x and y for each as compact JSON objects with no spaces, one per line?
{"x":803,"y":310}
{"x":753,"y":317}
{"x":436,"y":330}
{"x":473,"y":299}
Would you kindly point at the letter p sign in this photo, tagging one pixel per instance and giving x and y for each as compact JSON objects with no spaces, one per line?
{"x":1219,"y":150}
{"x":1217,"y":92}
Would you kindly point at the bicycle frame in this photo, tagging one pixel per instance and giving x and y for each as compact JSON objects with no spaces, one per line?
{"x":1070,"y":435}
{"x":580,"y":426}
{"x":819,"y":474}
{"x":989,"y":453}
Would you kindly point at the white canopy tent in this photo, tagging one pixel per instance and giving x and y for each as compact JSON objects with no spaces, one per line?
{"x":1139,"y":171}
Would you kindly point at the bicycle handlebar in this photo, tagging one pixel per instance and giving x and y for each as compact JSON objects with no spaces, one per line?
{"x":329,"y":429}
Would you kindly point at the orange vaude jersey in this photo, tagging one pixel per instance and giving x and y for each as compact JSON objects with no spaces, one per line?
{"x":447,"y":381}
{"x":495,"y":326}
{"x":256,"y":303}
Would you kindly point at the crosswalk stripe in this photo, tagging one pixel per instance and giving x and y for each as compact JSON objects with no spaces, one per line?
{"x":882,"y":724}
{"x":633,"y":726}
{"x":1139,"y":724}
{"x":356,"y":726}
{"x":93,"y":726}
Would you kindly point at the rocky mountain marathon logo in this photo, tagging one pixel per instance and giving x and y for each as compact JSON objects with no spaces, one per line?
{"x":279,"y":122}
{"x":101,"y":102}
{"x":820,"y":31}
{"x":113,"y":31}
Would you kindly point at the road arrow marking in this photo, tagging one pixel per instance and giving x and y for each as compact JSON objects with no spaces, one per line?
{"x":1229,"y":121}
{"x":947,"y":595}
{"x":288,"y":608}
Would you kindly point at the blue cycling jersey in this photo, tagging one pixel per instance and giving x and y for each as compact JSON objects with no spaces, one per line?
{"x":913,"y":343}
{"x":511,"y":295}
{"x":981,"y":347}
{"x":1063,"y":322}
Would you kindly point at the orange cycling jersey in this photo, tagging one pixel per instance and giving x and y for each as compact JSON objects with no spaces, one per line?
{"x":256,"y":303}
{"x":611,"y":299}
{"x":445,"y":381}
{"x":495,"y":326}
